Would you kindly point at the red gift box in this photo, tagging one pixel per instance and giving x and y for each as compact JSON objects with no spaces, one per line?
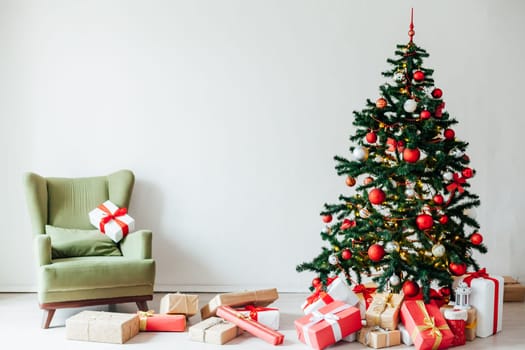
{"x":161,"y":323}
{"x":253,"y":327}
{"x":328,"y":325}
{"x":426,"y":326}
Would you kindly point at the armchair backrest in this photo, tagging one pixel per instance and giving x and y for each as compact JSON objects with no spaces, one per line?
{"x":66,"y":202}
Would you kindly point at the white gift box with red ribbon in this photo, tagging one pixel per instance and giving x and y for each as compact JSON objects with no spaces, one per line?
{"x":267,"y":316}
{"x":111,"y":220}
{"x":487,"y":299}
{"x":337,"y":290}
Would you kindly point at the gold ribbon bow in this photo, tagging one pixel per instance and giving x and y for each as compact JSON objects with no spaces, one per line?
{"x":143,"y":318}
{"x":429,"y":325}
{"x":380,"y":304}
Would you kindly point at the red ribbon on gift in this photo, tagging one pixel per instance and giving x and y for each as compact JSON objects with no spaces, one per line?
{"x":456,"y":184}
{"x":366,"y":291}
{"x":319,"y":294}
{"x":483,"y":274}
{"x":255,"y":309}
{"x":113,"y":216}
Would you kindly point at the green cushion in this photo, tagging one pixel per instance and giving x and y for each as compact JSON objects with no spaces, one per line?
{"x":67,"y":242}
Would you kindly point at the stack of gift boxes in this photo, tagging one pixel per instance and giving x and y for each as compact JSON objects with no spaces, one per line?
{"x":380,"y":320}
{"x":225,"y":317}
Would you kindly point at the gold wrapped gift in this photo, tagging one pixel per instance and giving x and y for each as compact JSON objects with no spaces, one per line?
{"x":377,"y":337}
{"x":384,"y":310}
{"x":177,"y":303}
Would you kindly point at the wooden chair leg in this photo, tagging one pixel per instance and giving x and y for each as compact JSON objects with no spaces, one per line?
{"x":47,"y":317}
{"x":142,"y":305}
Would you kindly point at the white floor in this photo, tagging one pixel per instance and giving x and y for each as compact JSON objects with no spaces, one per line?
{"x":20,"y":326}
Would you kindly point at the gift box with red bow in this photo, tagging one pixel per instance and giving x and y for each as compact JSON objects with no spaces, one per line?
{"x":336,"y":290}
{"x":268,"y":316}
{"x":426,"y":326}
{"x":253,"y":327}
{"x":328,"y":325}
{"x":111,"y":220}
{"x":487,"y":299}
{"x":365,"y":294}
{"x":261,"y":297}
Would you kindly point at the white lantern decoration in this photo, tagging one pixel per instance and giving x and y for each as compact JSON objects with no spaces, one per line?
{"x":463,"y":292}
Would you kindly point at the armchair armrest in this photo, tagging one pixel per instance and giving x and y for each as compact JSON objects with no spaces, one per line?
{"x":42,"y":247}
{"x":137,"y":245}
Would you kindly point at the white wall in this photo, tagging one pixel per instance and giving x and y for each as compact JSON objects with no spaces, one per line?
{"x":229,"y":113}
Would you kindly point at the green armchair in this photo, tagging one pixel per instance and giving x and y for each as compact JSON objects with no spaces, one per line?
{"x":76,"y":265}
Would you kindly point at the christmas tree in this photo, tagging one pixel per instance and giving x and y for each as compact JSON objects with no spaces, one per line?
{"x":408,"y":223}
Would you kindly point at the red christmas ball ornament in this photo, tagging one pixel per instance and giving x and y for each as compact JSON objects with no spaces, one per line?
{"x":410,"y":288}
{"x":381,"y":103}
{"x":449,"y":134}
{"x":316,"y":282}
{"x":419,"y":76}
{"x":327,"y":218}
{"x":476,"y":238}
{"x":443,"y":219}
{"x":350,"y":181}
{"x":376,"y":252}
{"x":371,"y":137}
{"x":368,"y":180}
{"x":425,"y":114}
{"x":411,"y":155}
{"x":467,"y":173}
{"x":376,"y":196}
{"x":346,"y":254}
{"x":457,"y":269}
{"x":437,"y":93}
{"x":438,"y":199}
{"x":347,"y":223}
{"x":424,"y":222}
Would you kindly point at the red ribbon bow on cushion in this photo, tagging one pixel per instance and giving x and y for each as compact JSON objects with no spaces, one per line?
{"x":456,"y":185}
{"x":113,"y":216}
{"x":366,"y":291}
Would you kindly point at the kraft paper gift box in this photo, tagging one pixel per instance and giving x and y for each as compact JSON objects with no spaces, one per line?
{"x":337,"y":290}
{"x":328,"y":325}
{"x":457,"y":320}
{"x":384,"y":310}
{"x":365,"y":294}
{"x":377,"y":338}
{"x":111,"y":220}
{"x":267,"y":316}
{"x":487,"y":299}
{"x":150,"y":322}
{"x":263,"y":297}
{"x":253,"y":327}
{"x":213,"y":330}
{"x":513,"y":290}
{"x":470,"y":324}
{"x":178,"y":303}
{"x":426,"y":326}
{"x":105,"y":327}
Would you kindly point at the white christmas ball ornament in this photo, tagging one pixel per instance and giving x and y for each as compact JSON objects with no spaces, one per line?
{"x":360,"y":153}
{"x":399,"y":76}
{"x":391,"y":247}
{"x":410,"y":193}
{"x":448,"y":176}
{"x":410,"y":106}
{"x":438,"y":250}
{"x":332,"y":259}
{"x":364,"y":213}
{"x":394,"y":280}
